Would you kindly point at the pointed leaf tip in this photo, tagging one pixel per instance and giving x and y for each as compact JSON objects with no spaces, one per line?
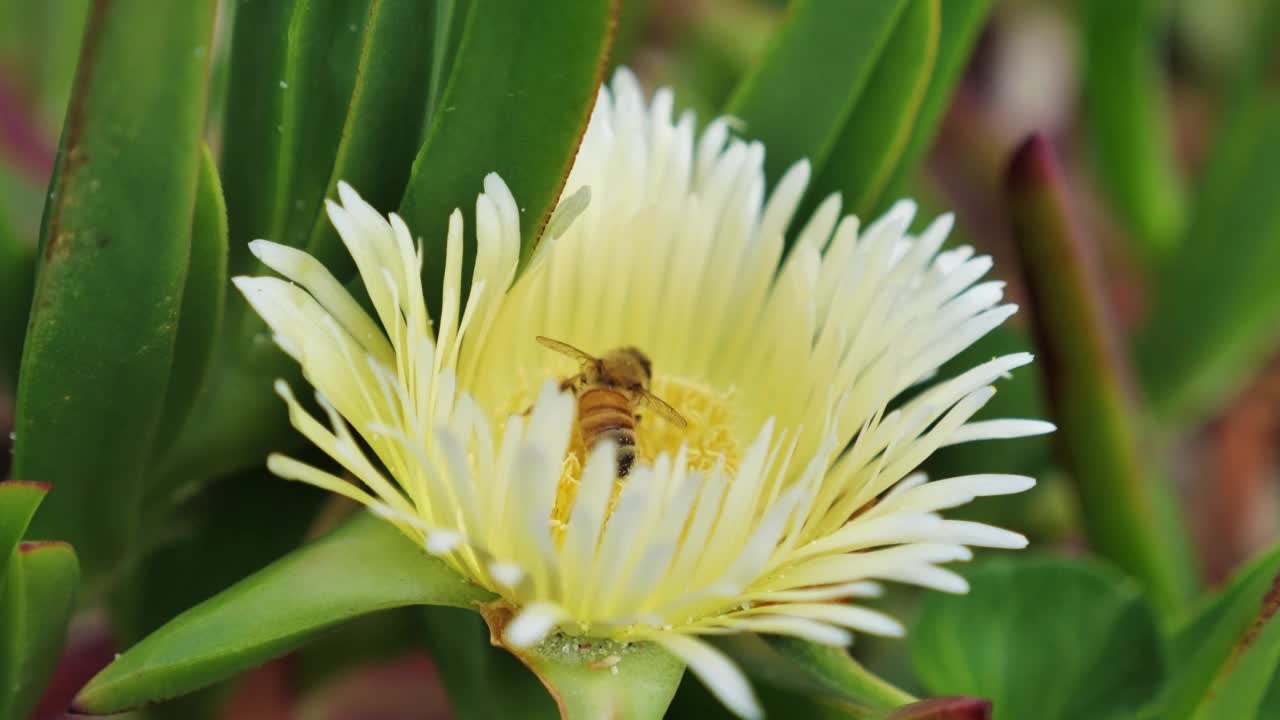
{"x":1033,"y":164}
{"x":945,"y":708}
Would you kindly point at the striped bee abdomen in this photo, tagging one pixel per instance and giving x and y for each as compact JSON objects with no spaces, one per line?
{"x":605,"y":414}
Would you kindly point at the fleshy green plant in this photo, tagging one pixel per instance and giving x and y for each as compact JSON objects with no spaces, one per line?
{"x":148,"y":333}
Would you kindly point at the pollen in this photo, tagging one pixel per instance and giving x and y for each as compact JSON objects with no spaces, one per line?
{"x":709,"y":438}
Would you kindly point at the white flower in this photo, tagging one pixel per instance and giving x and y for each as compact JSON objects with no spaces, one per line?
{"x":789,"y":491}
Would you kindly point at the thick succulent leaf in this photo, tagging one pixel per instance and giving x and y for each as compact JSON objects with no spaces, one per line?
{"x":18,"y":503}
{"x":1129,"y":120}
{"x":200,"y":315}
{"x":1125,"y":506}
{"x":1244,"y":692}
{"x":1220,"y":653}
{"x":962,"y":20}
{"x":37,"y":600}
{"x":383,"y":126}
{"x":446,"y":34}
{"x":17,"y":277}
{"x":878,"y":131}
{"x":799,"y":97}
{"x":819,"y":671}
{"x":222,"y":534}
{"x":1213,"y":321}
{"x":364,"y":566}
{"x":1033,"y":634}
{"x":295,"y":86}
{"x":252,"y":131}
{"x":593,"y":678}
{"x":471,"y":667}
{"x":95,"y":371}
{"x":516,"y":103}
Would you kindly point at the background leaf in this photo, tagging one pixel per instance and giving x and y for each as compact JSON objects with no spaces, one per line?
{"x":18,"y":503}
{"x":365,"y":566}
{"x":880,"y":127}
{"x":962,"y":21}
{"x":1129,"y":515}
{"x":1052,"y":639}
{"x":17,"y":278}
{"x":1206,"y":654}
{"x":200,"y":315}
{"x":384,"y":123}
{"x":1216,"y":299}
{"x":818,"y":671}
{"x":799,"y":97}
{"x":39,"y":595}
{"x":95,"y":372}
{"x":516,"y":103}
{"x":1126,"y":109}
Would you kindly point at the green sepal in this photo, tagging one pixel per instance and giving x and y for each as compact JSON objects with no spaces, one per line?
{"x":592,"y":678}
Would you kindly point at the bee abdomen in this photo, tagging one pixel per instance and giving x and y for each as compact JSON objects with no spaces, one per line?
{"x":605,"y":414}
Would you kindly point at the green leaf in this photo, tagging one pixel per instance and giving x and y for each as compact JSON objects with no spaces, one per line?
{"x":383,"y":126}
{"x":1128,"y":115}
{"x":200,"y":316}
{"x":1242,"y":692}
{"x":814,"y":670}
{"x":471,"y":667}
{"x":365,"y":566}
{"x":220,"y":535}
{"x":1205,"y":340}
{"x":17,"y":278}
{"x":39,"y":596}
{"x":962,"y":20}
{"x":798,"y":99}
{"x":594,"y":678}
{"x":837,"y":672}
{"x":253,"y":123}
{"x":1044,"y":638}
{"x":18,"y":502}
{"x":326,"y":39}
{"x":517,"y":103}
{"x":1206,"y":652}
{"x":877,"y":133}
{"x":1124,"y":506}
{"x":113,"y":255}
{"x":447,"y":24}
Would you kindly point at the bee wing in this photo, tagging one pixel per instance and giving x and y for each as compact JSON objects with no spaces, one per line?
{"x":566,"y":349}
{"x":664,"y":409}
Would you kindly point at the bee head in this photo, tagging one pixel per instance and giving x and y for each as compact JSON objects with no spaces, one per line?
{"x":626,"y":367}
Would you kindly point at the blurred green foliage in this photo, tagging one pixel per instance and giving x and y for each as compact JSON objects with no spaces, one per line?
{"x":144,"y":391}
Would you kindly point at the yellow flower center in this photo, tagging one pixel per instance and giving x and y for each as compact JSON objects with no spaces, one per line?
{"x":709,"y":438}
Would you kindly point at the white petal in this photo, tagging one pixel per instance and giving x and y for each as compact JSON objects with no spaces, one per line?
{"x":716,"y":671}
{"x":532,"y":624}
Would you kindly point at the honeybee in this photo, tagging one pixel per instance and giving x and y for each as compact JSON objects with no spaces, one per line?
{"x":609,"y":391}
